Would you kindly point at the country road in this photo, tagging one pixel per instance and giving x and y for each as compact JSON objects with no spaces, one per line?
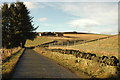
{"x":34,"y":65}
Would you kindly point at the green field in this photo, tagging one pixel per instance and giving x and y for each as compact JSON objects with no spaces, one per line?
{"x":37,"y":41}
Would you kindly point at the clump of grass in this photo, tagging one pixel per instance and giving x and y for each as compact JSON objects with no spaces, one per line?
{"x":6,"y":53}
{"x":9,"y":65}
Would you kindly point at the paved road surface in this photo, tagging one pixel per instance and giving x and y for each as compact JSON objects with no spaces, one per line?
{"x":34,"y":65}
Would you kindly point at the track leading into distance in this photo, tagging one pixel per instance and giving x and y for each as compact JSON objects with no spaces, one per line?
{"x":34,"y":65}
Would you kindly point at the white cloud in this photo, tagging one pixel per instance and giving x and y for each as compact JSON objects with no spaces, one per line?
{"x":63,"y":0}
{"x":43,"y":19}
{"x":33,"y":5}
{"x":110,"y":31}
{"x":91,"y":15}
{"x":92,"y":10}
{"x":84,"y":23}
{"x":49,"y":4}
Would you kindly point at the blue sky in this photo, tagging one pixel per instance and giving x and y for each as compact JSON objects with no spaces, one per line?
{"x":93,"y":17}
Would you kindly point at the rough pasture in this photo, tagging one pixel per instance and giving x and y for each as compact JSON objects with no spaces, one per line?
{"x":106,"y":47}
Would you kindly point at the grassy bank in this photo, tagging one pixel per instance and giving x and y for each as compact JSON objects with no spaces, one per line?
{"x":9,"y":65}
{"x":68,"y":61}
{"x":84,"y":69}
{"x":38,"y":41}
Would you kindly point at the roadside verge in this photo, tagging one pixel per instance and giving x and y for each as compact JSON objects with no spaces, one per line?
{"x":9,"y":66}
{"x":67,"y":61}
{"x":85,"y":68}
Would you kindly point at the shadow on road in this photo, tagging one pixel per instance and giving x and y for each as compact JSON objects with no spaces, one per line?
{"x":29,"y":47}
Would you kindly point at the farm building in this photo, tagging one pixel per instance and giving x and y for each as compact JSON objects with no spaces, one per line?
{"x":50,"y":34}
{"x":59,"y":34}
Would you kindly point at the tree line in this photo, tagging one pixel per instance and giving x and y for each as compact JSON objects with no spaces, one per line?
{"x":17,"y":25}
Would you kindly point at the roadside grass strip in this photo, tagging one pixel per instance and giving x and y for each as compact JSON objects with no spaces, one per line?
{"x":85,"y":68}
{"x":9,"y":65}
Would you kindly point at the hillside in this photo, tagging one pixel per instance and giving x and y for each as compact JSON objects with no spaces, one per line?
{"x":106,"y":47}
{"x":37,"y":41}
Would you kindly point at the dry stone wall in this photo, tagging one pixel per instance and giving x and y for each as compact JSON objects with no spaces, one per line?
{"x":112,"y":61}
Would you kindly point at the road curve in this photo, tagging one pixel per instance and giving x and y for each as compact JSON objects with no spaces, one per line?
{"x":34,"y":65}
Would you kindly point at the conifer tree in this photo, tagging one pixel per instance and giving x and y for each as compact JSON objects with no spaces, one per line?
{"x":0,"y":27}
{"x":25,"y":26}
{"x":17,"y":25}
{"x":5,"y":26}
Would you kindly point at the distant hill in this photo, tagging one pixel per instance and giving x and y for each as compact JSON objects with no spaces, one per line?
{"x":68,"y":32}
{"x":76,"y":33}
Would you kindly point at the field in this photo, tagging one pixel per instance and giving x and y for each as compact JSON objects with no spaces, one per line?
{"x":37,"y":41}
{"x":106,"y":47}
{"x":85,"y":67}
{"x":86,"y":36}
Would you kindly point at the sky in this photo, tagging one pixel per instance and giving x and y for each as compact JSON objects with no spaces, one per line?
{"x":93,"y":17}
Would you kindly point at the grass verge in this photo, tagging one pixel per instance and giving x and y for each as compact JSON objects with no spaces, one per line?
{"x":84,"y":69}
{"x":9,"y":65}
{"x":67,"y":61}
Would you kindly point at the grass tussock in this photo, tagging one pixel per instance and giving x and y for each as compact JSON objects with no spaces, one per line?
{"x":85,"y":68}
{"x":6,"y":53}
